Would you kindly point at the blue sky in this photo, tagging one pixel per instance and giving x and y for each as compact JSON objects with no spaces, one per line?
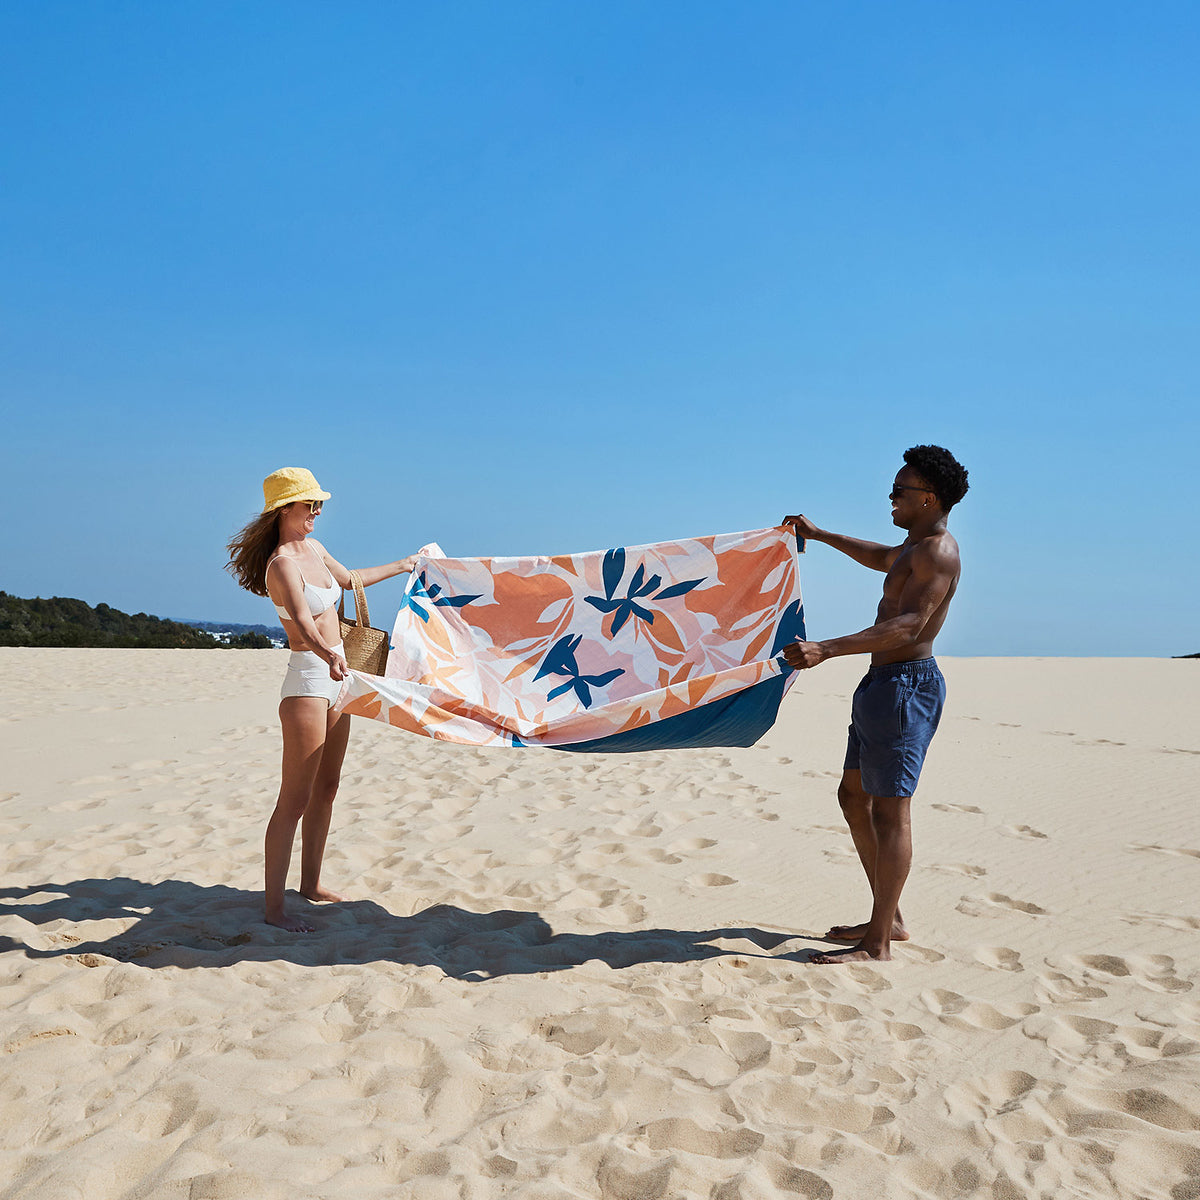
{"x":539,"y":277}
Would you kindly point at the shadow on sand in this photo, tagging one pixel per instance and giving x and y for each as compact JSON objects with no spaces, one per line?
{"x":182,"y":924}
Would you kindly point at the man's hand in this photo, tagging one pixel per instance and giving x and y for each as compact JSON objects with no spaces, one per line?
{"x":801,"y":526}
{"x":801,"y":655}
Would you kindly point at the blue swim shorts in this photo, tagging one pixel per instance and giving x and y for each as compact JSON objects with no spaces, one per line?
{"x":895,"y":712}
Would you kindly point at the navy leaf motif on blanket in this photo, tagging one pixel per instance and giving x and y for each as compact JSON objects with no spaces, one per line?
{"x":640,"y":588}
{"x":790,"y":627}
{"x":560,"y":660}
{"x":430,"y":594}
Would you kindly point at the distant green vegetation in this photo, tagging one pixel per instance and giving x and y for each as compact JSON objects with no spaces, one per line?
{"x":61,"y":621}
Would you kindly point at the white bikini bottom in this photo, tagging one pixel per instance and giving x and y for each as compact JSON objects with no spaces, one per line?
{"x":308,"y":675}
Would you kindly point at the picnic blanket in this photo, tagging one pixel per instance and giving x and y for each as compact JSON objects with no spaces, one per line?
{"x":663,"y":646}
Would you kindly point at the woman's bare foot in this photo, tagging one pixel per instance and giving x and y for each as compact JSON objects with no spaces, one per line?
{"x":323,"y":894}
{"x":291,"y":924}
{"x":853,"y":954}
{"x":855,"y":933}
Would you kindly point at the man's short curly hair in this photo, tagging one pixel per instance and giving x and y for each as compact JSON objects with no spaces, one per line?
{"x":941,"y":470}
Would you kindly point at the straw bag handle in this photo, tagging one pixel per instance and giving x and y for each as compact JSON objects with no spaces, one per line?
{"x":361,"y":615}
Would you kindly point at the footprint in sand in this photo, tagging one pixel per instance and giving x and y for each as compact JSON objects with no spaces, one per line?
{"x":446,"y":833}
{"x":631,"y":828}
{"x":959,"y":869}
{"x":839,"y":854}
{"x":972,"y":1102}
{"x":1022,"y":831}
{"x":985,"y":905}
{"x":608,"y":850}
{"x":638,"y":858}
{"x":924,"y":953}
{"x":1178,"y":851}
{"x":680,"y":1133}
{"x":962,"y":808}
{"x":1054,"y":987}
{"x":79,"y":805}
{"x":1146,"y":1044}
{"x":964,"y":1013}
{"x":690,"y":844}
{"x":710,"y":879}
{"x":999,"y":958}
{"x":1070,"y":1038}
{"x":1153,"y":971}
{"x":941,"y":1002}
{"x":1104,"y":964}
{"x":1163,"y":920}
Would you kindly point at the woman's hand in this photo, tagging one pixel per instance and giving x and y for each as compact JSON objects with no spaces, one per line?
{"x":339,"y":669}
{"x":406,"y":565}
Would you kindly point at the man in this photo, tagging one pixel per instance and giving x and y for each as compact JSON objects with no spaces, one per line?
{"x":897,"y":706}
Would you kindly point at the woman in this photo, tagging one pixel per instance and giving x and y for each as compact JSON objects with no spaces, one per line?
{"x":276,"y":556}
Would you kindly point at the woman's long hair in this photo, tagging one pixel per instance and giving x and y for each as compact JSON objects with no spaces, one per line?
{"x":251,"y":548}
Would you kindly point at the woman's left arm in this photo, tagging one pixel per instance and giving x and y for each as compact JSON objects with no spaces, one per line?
{"x":368,"y":575}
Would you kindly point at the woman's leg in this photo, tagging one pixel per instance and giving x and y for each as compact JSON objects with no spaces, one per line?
{"x":315,"y":827}
{"x":304,"y":721}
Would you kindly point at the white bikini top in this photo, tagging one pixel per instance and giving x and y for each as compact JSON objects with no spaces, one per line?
{"x":320,"y":599}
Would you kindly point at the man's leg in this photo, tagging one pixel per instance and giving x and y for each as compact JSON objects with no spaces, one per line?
{"x":857,"y":809}
{"x":891,"y":825}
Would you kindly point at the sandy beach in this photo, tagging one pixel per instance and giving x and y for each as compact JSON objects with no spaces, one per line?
{"x":584,"y":976}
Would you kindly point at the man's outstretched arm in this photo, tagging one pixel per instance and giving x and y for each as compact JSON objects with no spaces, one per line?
{"x":933,"y":572}
{"x":869,"y":554}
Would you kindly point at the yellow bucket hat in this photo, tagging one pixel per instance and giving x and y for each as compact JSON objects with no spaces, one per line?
{"x":288,"y":485}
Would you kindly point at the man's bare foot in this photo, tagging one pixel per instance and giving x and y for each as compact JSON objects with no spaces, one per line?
{"x":853,"y":954}
{"x":324,"y":894}
{"x":290,"y":923}
{"x":854,"y":933}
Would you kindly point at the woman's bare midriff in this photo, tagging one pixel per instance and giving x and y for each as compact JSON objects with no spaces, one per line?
{"x":327,"y":627}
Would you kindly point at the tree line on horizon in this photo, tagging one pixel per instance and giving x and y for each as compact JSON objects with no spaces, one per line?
{"x":63,"y":621}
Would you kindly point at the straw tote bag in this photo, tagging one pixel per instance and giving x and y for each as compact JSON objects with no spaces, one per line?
{"x":366,"y":648}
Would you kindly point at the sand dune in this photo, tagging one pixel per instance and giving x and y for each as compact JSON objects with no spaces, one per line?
{"x":583,"y":975}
